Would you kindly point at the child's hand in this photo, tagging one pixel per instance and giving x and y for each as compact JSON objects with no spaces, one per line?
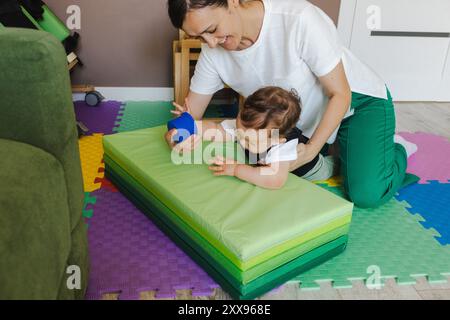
{"x":223,"y":167}
{"x":180,"y":109}
{"x":188,"y":145}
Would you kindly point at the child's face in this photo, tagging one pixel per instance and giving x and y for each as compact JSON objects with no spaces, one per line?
{"x":257,"y":140}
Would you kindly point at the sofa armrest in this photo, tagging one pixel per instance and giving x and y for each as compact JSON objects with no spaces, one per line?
{"x":36,"y":107}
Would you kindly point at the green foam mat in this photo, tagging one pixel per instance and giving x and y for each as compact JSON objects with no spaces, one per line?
{"x":388,"y":239}
{"x":156,"y":210}
{"x":234,"y":274}
{"x":236,"y":217}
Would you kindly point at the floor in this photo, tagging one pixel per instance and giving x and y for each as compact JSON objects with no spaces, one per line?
{"x":411,"y":117}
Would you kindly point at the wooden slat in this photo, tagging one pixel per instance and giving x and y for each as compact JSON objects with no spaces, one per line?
{"x":191,"y":44}
{"x":194,"y":56}
{"x":185,"y":68}
{"x":82,"y":88}
{"x":72,"y":64}
{"x":176,"y":51}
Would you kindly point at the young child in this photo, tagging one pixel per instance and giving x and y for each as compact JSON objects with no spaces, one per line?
{"x":266,"y":129}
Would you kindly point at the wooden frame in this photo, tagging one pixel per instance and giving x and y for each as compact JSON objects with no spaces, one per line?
{"x":185,"y":50}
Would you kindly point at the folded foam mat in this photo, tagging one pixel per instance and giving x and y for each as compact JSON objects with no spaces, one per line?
{"x":218,"y":268}
{"x":234,"y":275}
{"x":249,"y":237}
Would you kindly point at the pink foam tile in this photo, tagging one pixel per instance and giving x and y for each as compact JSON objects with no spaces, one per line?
{"x":432,"y":159}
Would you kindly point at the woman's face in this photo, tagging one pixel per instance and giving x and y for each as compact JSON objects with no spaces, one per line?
{"x":216,"y":26}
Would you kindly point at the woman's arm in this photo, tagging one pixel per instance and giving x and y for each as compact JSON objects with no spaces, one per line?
{"x":273,"y":176}
{"x":338,"y":91}
{"x":195,"y":104}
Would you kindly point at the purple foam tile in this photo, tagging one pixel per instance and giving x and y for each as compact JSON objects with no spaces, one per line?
{"x":205,"y":292}
{"x":99,"y":119}
{"x":129,"y":254}
{"x":432,"y":159}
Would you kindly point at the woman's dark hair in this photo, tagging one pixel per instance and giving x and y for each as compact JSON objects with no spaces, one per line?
{"x":179,"y":8}
{"x":271,"y":107}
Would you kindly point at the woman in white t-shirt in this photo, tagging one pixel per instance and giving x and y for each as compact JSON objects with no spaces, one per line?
{"x":294,"y":44}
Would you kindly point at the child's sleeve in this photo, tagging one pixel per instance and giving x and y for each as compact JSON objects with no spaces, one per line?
{"x":282,"y":152}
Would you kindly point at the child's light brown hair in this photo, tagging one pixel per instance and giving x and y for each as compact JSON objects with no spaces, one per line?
{"x":271,"y":108}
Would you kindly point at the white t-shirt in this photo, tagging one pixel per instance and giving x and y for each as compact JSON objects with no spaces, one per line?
{"x":297,"y":44}
{"x":277,"y":153}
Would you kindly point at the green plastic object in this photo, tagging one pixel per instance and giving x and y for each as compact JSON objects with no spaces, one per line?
{"x":233,"y":274}
{"x":246,"y":223}
{"x":29,"y":17}
{"x":51,"y":23}
{"x":155,"y":210}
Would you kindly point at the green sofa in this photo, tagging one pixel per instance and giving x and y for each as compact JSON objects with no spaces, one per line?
{"x":42,"y":232}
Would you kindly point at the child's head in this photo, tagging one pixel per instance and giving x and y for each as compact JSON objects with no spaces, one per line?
{"x":267,"y":110}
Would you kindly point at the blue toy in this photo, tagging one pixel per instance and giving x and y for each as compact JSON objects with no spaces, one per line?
{"x":185,"y":125}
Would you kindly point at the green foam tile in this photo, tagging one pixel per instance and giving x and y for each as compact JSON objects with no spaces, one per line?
{"x":89,"y":201}
{"x":137,"y":115}
{"x":144,"y":114}
{"x":390,"y":238}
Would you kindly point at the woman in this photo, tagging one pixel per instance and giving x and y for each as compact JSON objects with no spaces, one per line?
{"x":294,"y":44}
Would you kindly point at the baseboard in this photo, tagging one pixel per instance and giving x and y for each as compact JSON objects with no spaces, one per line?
{"x":131,"y":94}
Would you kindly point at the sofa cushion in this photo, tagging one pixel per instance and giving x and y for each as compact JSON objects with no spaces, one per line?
{"x":35,"y":231}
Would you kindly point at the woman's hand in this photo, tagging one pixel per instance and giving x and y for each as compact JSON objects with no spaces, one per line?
{"x":190,"y":143}
{"x":224,"y":167}
{"x":180,"y":109}
{"x":305,"y":154}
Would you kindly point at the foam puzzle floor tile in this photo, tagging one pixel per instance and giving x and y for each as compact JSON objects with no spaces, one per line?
{"x":99,"y":119}
{"x":335,"y":181}
{"x":389,"y":238}
{"x":106,"y":184}
{"x":129,"y":254}
{"x":91,"y":156}
{"x":432,"y":160}
{"x":143,"y":114}
{"x":89,"y":201}
{"x":432,"y":203}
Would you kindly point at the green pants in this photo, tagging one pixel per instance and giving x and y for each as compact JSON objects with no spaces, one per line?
{"x":373,"y":166}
